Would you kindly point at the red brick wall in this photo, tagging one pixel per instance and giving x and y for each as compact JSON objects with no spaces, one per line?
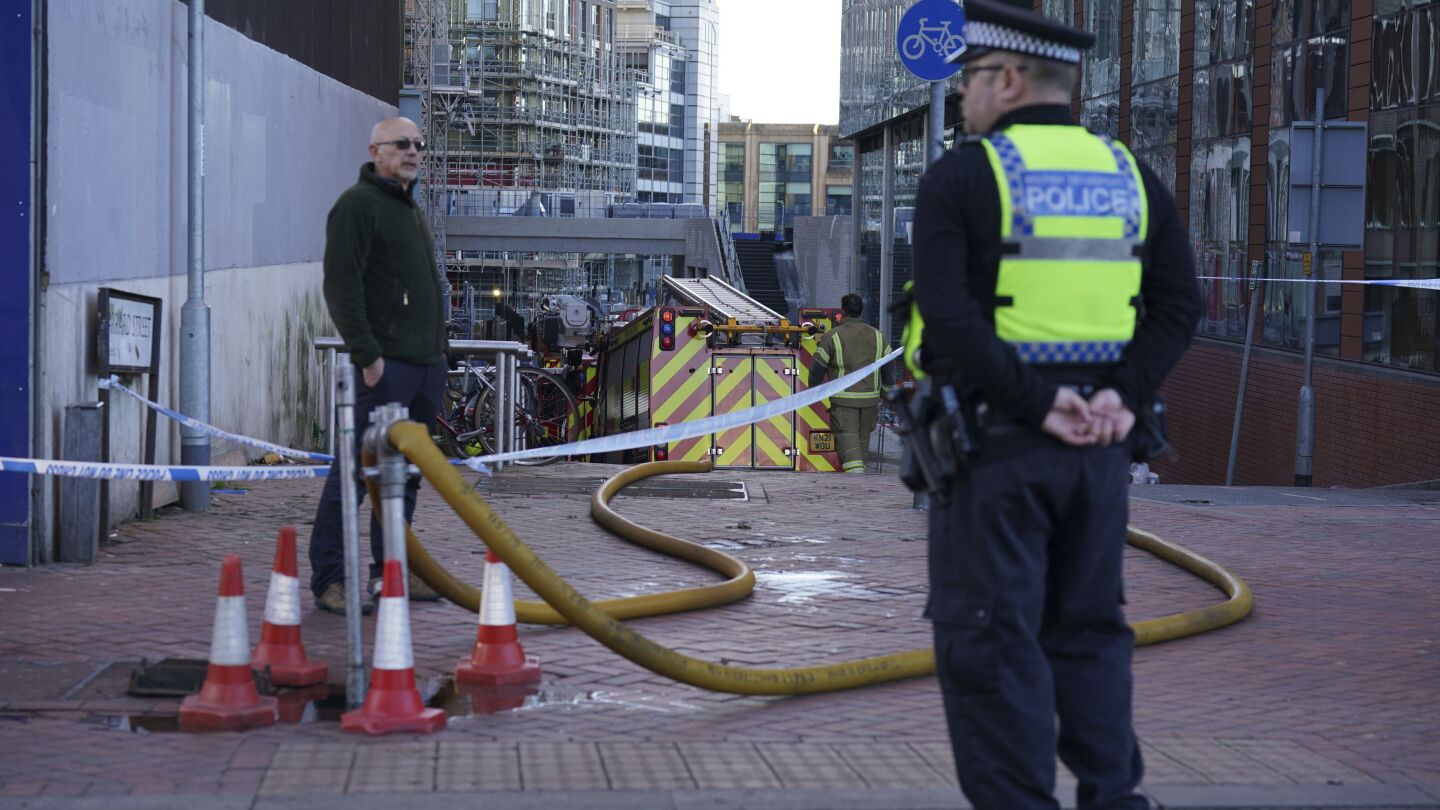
{"x":1373,"y":426}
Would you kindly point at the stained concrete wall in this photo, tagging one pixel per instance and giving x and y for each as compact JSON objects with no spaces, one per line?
{"x":281,"y":142}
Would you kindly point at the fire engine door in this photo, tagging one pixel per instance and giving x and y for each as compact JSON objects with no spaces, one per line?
{"x":738,"y":382}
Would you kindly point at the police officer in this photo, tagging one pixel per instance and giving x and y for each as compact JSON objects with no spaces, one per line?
{"x":850,"y":345}
{"x":1057,"y":289}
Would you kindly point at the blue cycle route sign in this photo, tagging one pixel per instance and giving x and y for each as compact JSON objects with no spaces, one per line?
{"x":929,"y":33}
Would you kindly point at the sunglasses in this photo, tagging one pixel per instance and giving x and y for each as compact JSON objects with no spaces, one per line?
{"x":404,"y":144}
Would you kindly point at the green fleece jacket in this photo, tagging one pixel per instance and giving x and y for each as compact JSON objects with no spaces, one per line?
{"x":380,"y":281}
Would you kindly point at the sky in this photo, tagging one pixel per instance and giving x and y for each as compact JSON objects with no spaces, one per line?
{"x":780,"y":60}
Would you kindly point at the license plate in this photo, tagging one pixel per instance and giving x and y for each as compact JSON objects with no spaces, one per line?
{"x":822,"y":442}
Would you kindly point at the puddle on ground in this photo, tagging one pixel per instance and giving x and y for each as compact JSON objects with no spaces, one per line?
{"x":324,"y":704}
{"x":799,"y":587}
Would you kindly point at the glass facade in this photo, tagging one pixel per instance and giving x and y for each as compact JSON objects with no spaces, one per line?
{"x":785,"y":189}
{"x":1220,"y":161}
{"x":874,"y":86}
{"x":1100,"y":73}
{"x":1309,"y":52}
{"x":1403,"y":204}
{"x":1231,"y":214}
{"x":731,"y":198}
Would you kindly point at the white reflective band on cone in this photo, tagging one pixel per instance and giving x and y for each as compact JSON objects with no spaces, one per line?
{"x":392,"y":635}
{"x":230,"y":643}
{"x":497,"y":599}
{"x":282,"y":602}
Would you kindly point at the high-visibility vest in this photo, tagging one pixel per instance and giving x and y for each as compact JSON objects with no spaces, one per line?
{"x":1073,"y":217}
{"x":867,"y":388}
{"x":1074,"y":205}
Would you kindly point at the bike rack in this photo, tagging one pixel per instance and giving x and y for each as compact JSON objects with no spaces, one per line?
{"x":505,"y":354}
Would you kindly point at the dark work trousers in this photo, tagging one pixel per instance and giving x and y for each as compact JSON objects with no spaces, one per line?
{"x":420,"y":388}
{"x":1026,"y":599}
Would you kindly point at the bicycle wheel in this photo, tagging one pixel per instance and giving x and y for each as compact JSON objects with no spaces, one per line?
{"x":551,"y":414}
{"x":546,"y":415}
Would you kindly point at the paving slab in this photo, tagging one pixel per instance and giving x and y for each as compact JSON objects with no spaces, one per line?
{"x":1328,"y":696}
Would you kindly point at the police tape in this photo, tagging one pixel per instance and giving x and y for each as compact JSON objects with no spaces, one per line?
{"x":114,"y":383}
{"x":1414,"y":283}
{"x":689,"y":430}
{"x":155,"y":472}
{"x":624,"y":441}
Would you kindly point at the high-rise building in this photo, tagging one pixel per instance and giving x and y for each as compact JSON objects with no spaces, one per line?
{"x":672,"y":45}
{"x":530,"y":112}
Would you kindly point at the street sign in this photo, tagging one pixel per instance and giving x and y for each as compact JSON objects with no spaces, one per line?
{"x":1343,"y":156}
{"x":928,"y":33}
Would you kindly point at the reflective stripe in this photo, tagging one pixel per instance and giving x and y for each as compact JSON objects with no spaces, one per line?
{"x":282,"y":602}
{"x":392,"y":635}
{"x":229,"y":639}
{"x":1077,"y":249}
{"x":1102,"y":351}
{"x":497,"y":597}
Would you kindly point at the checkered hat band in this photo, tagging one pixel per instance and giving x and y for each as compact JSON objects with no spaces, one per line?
{"x":998,"y":37}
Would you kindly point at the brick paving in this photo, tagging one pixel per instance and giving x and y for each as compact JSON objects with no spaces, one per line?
{"x":1334,"y":681}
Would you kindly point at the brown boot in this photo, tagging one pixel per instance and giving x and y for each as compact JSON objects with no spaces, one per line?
{"x":415,"y":588}
{"x":332,"y":599}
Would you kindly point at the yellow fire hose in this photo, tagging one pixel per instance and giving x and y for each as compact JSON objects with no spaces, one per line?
{"x":412,"y":440}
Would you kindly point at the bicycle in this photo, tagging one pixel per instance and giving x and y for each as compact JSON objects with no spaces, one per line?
{"x":546,"y":413}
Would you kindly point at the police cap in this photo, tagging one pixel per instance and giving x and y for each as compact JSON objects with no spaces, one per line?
{"x":995,"y":25}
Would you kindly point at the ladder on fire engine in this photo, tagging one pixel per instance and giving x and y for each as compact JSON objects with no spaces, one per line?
{"x":722,"y":299}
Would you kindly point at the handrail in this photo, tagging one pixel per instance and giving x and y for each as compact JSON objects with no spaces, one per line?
{"x":507,"y":354}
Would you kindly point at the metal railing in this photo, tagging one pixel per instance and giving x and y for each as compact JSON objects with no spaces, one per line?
{"x":727,"y":250}
{"x":505,"y":354}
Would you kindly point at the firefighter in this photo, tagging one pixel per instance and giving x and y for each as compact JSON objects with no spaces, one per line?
{"x":851,"y":345}
{"x":1057,"y":289}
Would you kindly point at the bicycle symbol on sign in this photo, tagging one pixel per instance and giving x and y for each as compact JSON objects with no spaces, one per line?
{"x":938,"y":37}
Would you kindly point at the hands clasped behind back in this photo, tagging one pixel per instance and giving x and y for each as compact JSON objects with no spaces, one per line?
{"x":1101,"y":421}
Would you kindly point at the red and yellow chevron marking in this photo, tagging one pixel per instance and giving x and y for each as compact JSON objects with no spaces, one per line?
{"x":774,"y":437}
{"x":585,"y":405}
{"x":813,"y":417}
{"x":680,"y":389}
{"x":732,"y":392}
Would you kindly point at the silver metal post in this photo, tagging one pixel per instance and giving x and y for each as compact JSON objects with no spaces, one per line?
{"x":887,"y":233}
{"x":344,"y":394}
{"x":857,"y":217}
{"x":1305,"y":422}
{"x":330,"y":402}
{"x":195,"y":315}
{"x":513,"y":434}
{"x":935,"y":124}
{"x":392,"y":479}
{"x":503,"y":411}
{"x":1244,"y":371}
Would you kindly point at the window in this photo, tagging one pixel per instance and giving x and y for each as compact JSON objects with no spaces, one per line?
{"x":842,"y":155}
{"x":784,"y":190}
{"x":1309,"y":52}
{"x":1100,"y":74}
{"x":1220,"y":162}
{"x":837,"y":200}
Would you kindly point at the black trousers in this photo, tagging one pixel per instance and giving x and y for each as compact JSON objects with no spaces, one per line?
{"x":421,"y":388}
{"x":1025,"y":573}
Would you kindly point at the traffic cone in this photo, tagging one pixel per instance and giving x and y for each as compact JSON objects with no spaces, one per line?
{"x":228,"y":700}
{"x":393,"y":703}
{"x":280,"y":648}
{"x":498,"y":659}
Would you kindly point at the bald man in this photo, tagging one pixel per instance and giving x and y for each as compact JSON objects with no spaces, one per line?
{"x":386,"y":298}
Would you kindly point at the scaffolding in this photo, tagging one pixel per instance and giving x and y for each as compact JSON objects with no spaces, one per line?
{"x":530,"y":112}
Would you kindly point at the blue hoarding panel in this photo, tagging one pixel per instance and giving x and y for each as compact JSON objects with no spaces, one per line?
{"x":15,"y":215}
